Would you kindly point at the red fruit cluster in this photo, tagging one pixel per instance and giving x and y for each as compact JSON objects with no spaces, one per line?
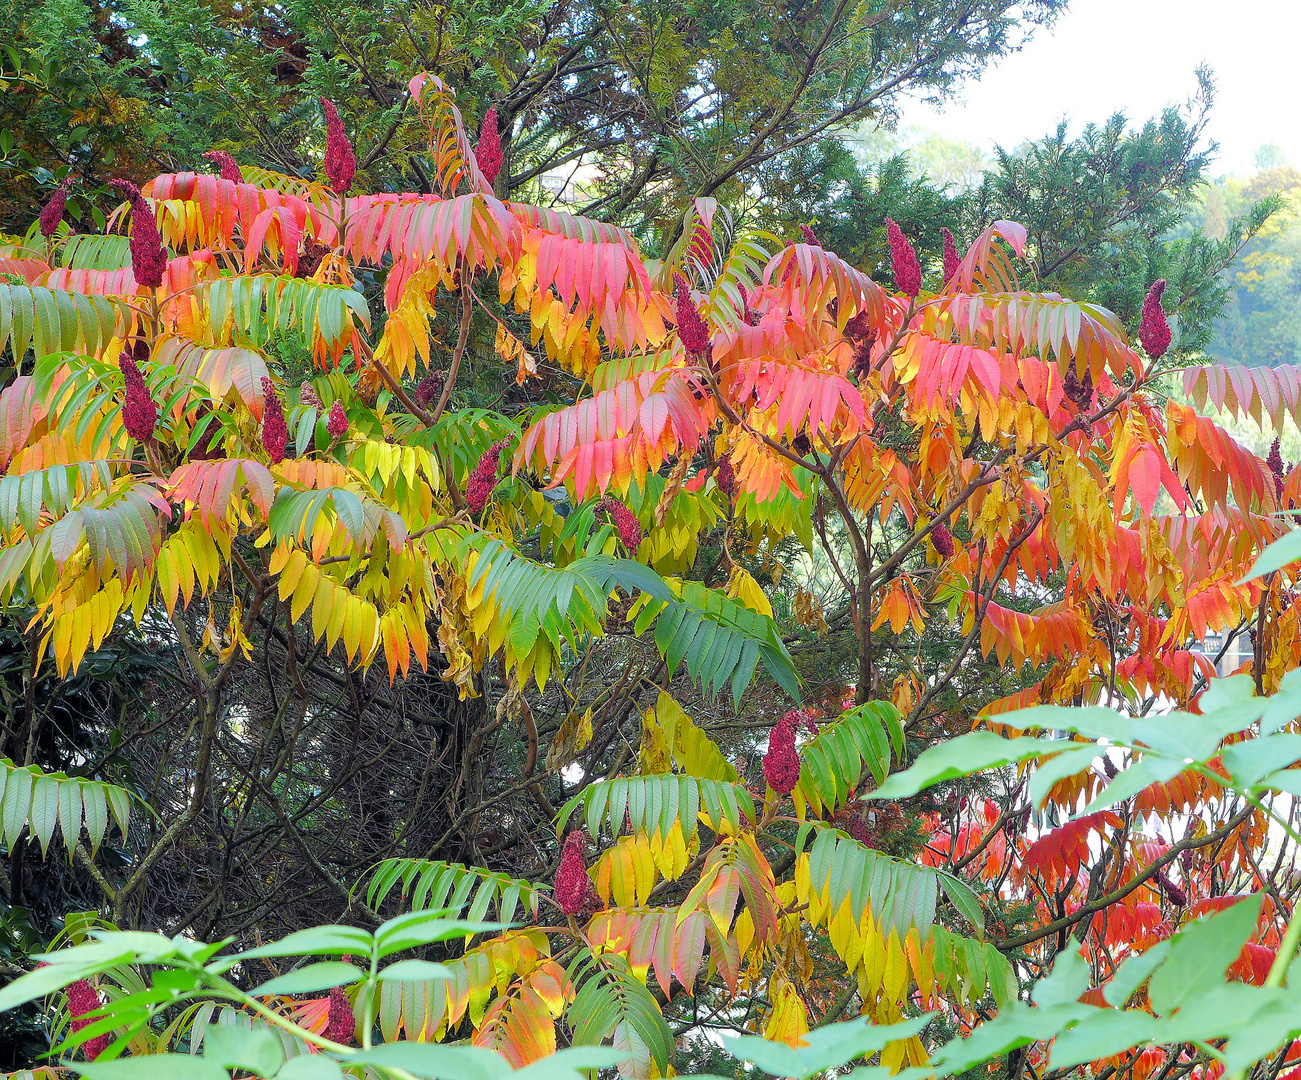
{"x":430,"y":387}
{"x":725,"y":477}
{"x":1153,"y":328}
{"x":625,"y":521}
{"x":203,"y":449}
{"x":1173,"y":892}
{"x":340,"y":161}
{"x":1275,"y":463}
{"x":139,"y":415}
{"x":810,"y":237}
{"x":340,"y":1025}
{"x":751,"y":317}
{"x":903,"y":260}
{"x":951,"y":260}
{"x":781,"y":764}
{"x":483,"y":481}
{"x":942,"y":540}
{"x":692,"y":331}
{"x":337,"y":424}
{"x":571,"y":878}
{"x":487,"y":152}
{"x":225,"y":165}
{"x":82,"y":1000}
{"x":307,"y":396}
{"x":862,"y":335}
{"x":148,"y":259}
{"x":52,"y":214}
{"x":275,"y":432}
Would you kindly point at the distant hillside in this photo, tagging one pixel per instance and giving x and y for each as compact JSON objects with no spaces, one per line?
{"x":1262,"y":321}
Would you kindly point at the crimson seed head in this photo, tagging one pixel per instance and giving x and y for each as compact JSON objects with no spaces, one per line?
{"x":781,"y":764}
{"x":624,"y":521}
{"x":483,"y":481}
{"x":859,"y":326}
{"x":1153,"y":328}
{"x":692,"y":330}
{"x":487,"y":152}
{"x":903,"y":260}
{"x":203,"y":450}
{"x":307,"y":396}
{"x":226,"y":166}
{"x":942,"y":541}
{"x":1172,"y":891}
{"x":725,"y":478}
{"x":951,"y":260}
{"x":341,"y":1024}
{"x":275,"y":432}
{"x":53,"y":212}
{"x":429,"y":388}
{"x":337,"y":424}
{"x":810,"y":237}
{"x":1275,"y":463}
{"x":148,"y":259}
{"x":138,"y":412}
{"x":82,"y":1000}
{"x":571,"y":878}
{"x":340,"y":161}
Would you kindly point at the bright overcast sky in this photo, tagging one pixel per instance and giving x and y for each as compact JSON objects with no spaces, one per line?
{"x":1138,"y":56}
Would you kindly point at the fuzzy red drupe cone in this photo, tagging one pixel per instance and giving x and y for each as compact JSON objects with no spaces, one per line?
{"x":226,"y":166}
{"x":83,"y":999}
{"x":148,"y":259}
{"x":810,"y":237}
{"x":1173,"y":892}
{"x":903,"y":260}
{"x":1153,"y":328}
{"x":750,"y":317}
{"x":781,"y":764}
{"x":1275,"y":463}
{"x":483,"y":481}
{"x":340,"y":161}
{"x":52,"y":214}
{"x":625,"y":521}
{"x":951,"y":259}
{"x":337,"y":424}
{"x":942,"y":541}
{"x":487,"y":151}
{"x":692,"y":331}
{"x":430,"y":387}
{"x":307,"y":395}
{"x":725,"y":477}
{"x":341,"y":1025}
{"x":203,"y":448}
{"x":571,"y":878}
{"x":139,"y":415}
{"x":859,"y":327}
{"x":275,"y":432}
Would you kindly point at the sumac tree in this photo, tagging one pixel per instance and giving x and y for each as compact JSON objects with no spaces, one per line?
{"x":235,"y":426}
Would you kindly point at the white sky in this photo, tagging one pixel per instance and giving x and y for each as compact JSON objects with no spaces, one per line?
{"x":1138,"y":56}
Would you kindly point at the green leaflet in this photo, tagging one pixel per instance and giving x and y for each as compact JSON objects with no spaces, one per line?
{"x":40,"y":801}
{"x":719,"y":640}
{"x":53,"y":321}
{"x":655,"y":803}
{"x":613,"y":1003}
{"x":429,"y":883}
{"x":832,"y":763}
